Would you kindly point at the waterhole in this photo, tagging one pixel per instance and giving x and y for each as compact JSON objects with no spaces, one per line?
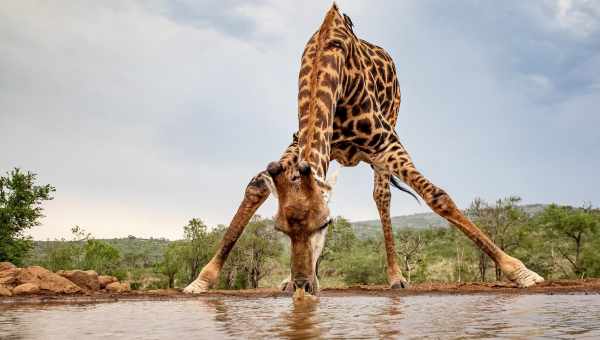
{"x":438,"y":316}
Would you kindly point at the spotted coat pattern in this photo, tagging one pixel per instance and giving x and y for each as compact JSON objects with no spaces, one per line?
{"x":348,"y":103}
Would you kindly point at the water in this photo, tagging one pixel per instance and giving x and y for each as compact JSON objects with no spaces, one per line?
{"x":439,"y":316}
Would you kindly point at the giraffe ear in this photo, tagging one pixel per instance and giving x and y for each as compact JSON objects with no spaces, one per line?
{"x":331,"y":180}
{"x":329,"y":184}
{"x":271,"y":185}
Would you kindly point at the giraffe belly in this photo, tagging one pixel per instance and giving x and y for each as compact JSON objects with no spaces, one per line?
{"x":347,"y":154}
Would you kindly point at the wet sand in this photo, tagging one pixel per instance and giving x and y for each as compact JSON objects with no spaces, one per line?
{"x":586,"y":286}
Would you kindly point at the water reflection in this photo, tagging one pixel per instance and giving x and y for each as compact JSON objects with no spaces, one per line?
{"x":468,"y":316}
{"x":387,"y":322}
{"x":301,"y":322}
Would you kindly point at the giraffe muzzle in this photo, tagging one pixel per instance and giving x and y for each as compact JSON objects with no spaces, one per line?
{"x":304,"y":284}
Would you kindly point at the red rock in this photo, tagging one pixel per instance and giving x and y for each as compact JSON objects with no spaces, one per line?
{"x":105,"y":280}
{"x":47,"y":280}
{"x":6,"y":265}
{"x":31,"y":274}
{"x":26,"y":288}
{"x":58,"y":284}
{"x":5,"y":291}
{"x":118,"y":287}
{"x":8,"y":277}
{"x":87,"y":280}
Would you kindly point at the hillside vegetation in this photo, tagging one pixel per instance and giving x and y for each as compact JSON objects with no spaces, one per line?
{"x":370,"y":228}
{"x":557,"y":242}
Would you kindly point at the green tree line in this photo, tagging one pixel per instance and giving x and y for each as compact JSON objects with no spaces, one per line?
{"x":558,"y":242}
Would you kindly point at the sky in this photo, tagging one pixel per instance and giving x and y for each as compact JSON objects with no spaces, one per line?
{"x":145,"y":114}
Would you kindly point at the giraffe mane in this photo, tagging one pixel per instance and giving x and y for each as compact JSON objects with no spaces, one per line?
{"x":314,"y":81}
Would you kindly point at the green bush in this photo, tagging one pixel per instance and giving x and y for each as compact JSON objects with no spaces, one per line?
{"x":20,"y":210}
{"x":363,"y":265}
{"x":135,"y":285}
{"x":101,"y":257}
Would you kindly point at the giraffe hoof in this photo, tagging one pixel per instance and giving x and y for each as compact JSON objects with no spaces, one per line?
{"x":524,"y":277}
{"x":196,"y":287}
{"x":399,"y":285}
{"x":286,"y":286}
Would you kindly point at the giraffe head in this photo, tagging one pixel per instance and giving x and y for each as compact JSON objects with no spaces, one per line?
{"x":303,"y":215}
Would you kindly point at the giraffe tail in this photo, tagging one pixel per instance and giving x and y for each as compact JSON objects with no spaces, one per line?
{"x":395,"y":182}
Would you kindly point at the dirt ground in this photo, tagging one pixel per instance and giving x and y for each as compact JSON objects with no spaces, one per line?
{"x":586,"y":286}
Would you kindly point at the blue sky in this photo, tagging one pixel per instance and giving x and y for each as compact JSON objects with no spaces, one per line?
{"x":145,"y":114}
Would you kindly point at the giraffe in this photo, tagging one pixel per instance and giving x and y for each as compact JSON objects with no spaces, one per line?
{"x":348,"y":103}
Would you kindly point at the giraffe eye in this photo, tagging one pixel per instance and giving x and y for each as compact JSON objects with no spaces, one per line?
{"x":336,"y":45}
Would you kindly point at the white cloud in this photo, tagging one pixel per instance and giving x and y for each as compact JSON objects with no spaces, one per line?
{"x":581,"y":17}
{"x":145,"y":114}
{"x":90,"y":101}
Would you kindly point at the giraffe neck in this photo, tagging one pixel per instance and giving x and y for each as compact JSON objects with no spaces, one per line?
{"x":320,"y":87}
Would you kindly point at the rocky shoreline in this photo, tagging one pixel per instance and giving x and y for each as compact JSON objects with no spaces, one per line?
{"x":16,"y":281}
{"x":37,"y":285}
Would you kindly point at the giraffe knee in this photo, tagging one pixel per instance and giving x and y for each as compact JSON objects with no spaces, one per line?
{"x":381,"y":195}
{"x":441,"y":202}
{"x":258,"y":185}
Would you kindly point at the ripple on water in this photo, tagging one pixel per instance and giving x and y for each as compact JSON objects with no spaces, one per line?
{"x":440,"y":316}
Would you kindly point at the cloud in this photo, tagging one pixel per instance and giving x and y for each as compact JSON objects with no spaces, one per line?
{"x":581,"y":17}
{"x":145,"y":114}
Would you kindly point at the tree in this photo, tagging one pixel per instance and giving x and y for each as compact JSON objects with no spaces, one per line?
{"x":364,"y":263}
{"x":171,"y":263}
{"x":340,"y":240}
{"x":20,"y":210}
{"x":340,"y":237}
{"x":59,"y":255}
{"x":199,"y":247}
{"x":254,"y":256}
{"x":591,"y":256}
{"x":411,"y":243}
{"x":259,"y":244}
{"x":571,"y":230}
{"x":501,"y":222}
{"x":100,"y":256}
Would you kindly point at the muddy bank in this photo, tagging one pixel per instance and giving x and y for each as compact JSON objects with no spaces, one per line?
{"x":587,"y":286}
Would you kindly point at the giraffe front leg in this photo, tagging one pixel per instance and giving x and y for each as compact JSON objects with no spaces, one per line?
{"x":256,"y":193}
{"x":396,"y":160}
{"x":382,"y":197}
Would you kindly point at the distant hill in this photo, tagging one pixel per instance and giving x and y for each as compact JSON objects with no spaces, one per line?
{"x":139,"y":251}
{"x":372,"y":228}
{"x":146,"y":251}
